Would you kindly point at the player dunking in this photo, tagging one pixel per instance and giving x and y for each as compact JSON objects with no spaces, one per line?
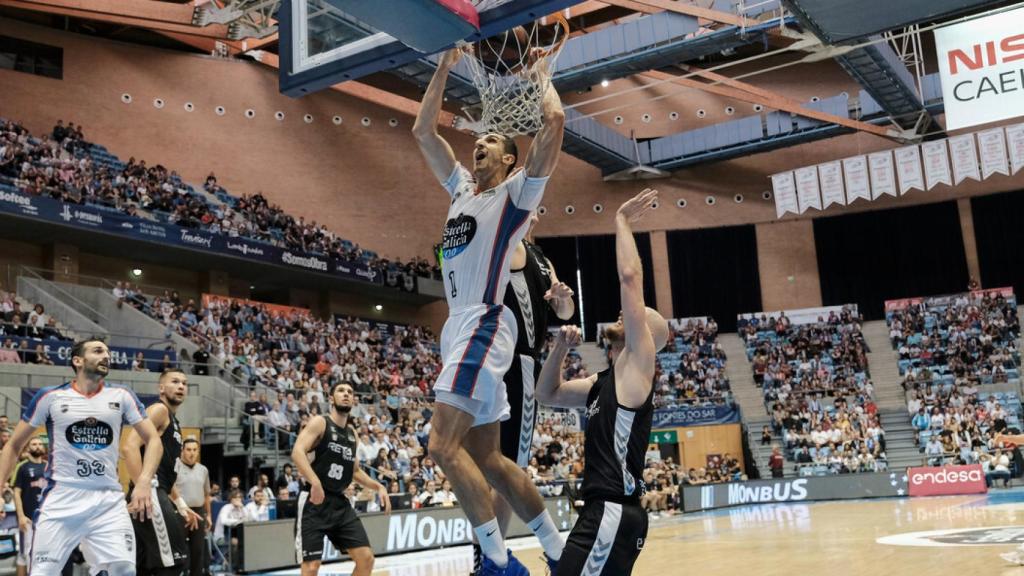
{"x":83,"y":502}
{"x":162,"y":540}
{"x":487,"y":218}
{"x":533,"y":288}
{"x":612,"y":527}
{"x":324,"y":510}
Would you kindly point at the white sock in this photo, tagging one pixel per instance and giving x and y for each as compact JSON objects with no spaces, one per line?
{"x":543,"y":527}
{"x":491,"y":542}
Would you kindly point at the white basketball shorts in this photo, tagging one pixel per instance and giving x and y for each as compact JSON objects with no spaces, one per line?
{"x":477,"y":346}
{"x":95,"y":519}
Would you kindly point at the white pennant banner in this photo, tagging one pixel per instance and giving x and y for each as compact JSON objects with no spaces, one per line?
{"x":785,"y":194}
{"x":855,"y":172}
{"x":965,"y":158}
{"x":1015,"y":143}
{"x":831,"y":175}
{"x":936,"y":164}
{"x":883,"y":177}
{"x":908,"y":168}
{"x":992,"y":145}
{"x":808,"y":194}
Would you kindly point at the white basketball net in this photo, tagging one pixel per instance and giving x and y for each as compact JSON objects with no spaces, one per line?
{"x":512,"y":76}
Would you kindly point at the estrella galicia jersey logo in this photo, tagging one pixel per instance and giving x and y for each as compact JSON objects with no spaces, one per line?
{"x":90,"y":434}
{"x":458,"y":233}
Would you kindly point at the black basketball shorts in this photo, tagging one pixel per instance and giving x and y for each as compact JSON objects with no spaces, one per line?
{"x":517,"y":431}
{"x":333,"y":518}
{"x":162,"y":539}
{"x":606,"y":540}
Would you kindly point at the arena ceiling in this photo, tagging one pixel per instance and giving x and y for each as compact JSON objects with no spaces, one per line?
{"x":694,"y":45}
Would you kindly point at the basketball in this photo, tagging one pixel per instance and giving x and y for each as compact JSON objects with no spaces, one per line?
{"x":506,"y":51}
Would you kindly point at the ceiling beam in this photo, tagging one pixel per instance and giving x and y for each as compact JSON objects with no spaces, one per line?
{"x":709,"y":14}
{"x":159,"y":16}
{"x":371,"y":94}
{"x":729,"y":88}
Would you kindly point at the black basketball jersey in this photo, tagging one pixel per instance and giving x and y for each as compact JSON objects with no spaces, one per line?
{"x":616,"y":443}
{"x":166,"y":473}
{"x":335,"y":457}
{"x":525,"y":297}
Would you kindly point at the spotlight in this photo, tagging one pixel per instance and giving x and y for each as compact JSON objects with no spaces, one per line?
{"x":136,"y":272}
{"x":378,"y":307}
{"x":604,"y":83}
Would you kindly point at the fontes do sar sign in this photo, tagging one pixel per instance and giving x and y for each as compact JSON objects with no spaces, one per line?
{"x":981,"y":63}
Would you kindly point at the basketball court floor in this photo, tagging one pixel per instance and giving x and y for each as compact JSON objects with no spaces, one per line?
{"x":942,"y":535}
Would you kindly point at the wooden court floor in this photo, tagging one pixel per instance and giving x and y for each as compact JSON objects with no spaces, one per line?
{"x":830,"y":538}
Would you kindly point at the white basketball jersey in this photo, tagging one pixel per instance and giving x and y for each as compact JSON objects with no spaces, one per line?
{"x":84,"y":432}
{"x":481,"y":234}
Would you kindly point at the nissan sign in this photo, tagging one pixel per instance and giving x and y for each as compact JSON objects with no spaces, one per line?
{"x":947,"y":480}
{"x":981,"y":64}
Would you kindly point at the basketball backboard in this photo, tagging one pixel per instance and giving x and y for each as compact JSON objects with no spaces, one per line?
{"x":321,"y":45}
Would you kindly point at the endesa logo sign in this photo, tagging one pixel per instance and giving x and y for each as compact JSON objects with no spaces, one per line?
{"x":947,"y":480}
{"x":981,"y":64}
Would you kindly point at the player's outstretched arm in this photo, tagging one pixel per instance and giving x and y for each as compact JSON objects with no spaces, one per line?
{"x":304,"y":444}
{"x":1012,"y":438}
{"x":639,"y":344}
{"x":436,"y":150}
{"x":9,"y":456}
{"x":364,"y":480}
{"x":543,"y":155}
{"x":552,"y":389}
{"x":141,"y":504}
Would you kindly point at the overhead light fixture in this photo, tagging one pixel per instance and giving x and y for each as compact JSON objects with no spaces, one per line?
{"x":252,"y":286}
{"x":136,"y":272}
{"x":604,"y":83}
{"x":378,"y":307}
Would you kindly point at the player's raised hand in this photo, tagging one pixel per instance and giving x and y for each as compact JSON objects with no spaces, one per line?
{"x":558,"y":291}
{"x":569,"y":336}
{"x":451,"y":58}
{"x":316,"y":493}
{"x":141,"y":504}
{"x":635,"y":208}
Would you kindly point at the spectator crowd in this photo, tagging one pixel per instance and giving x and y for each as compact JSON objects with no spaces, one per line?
{"x":817,"y":389}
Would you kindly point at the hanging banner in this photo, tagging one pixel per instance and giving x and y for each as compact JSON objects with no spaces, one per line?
{"x":965,"y":158}
{"x":883,"y":177}
{"x":908,"y":168}
{"x":831,"y":175}
{"x":980,"y":65}
{"x":1015,"y":144}
{"x":785,"y":194}
{"x":808,"y":194}
{"x":992,"y":146}
{"x":936,"y":164}
{"x":855,"y":172}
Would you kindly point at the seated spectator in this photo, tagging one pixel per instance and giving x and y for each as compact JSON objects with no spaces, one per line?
{"x":257,"y":510}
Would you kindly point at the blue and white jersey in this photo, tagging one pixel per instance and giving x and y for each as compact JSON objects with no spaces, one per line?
{"x":481,"y":233}
{"x":84,"y":432}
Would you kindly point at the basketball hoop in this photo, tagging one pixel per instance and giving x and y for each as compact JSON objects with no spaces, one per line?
{"x":512,"y":72}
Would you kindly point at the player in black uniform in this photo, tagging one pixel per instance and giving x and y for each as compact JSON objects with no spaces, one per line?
{"x":533,"y":288}
{"x":324,"y":510}
{"x":612,"y":526}
{"x":29,"y":481}
{"x":162,"y":540}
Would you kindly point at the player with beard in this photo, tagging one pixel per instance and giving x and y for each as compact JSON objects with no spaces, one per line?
{"x":323,"y":509}
{"x":83,"y":503}
{"x":612,"y":527}
{"x":163,"y":541}
{"x":29,"y":482}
